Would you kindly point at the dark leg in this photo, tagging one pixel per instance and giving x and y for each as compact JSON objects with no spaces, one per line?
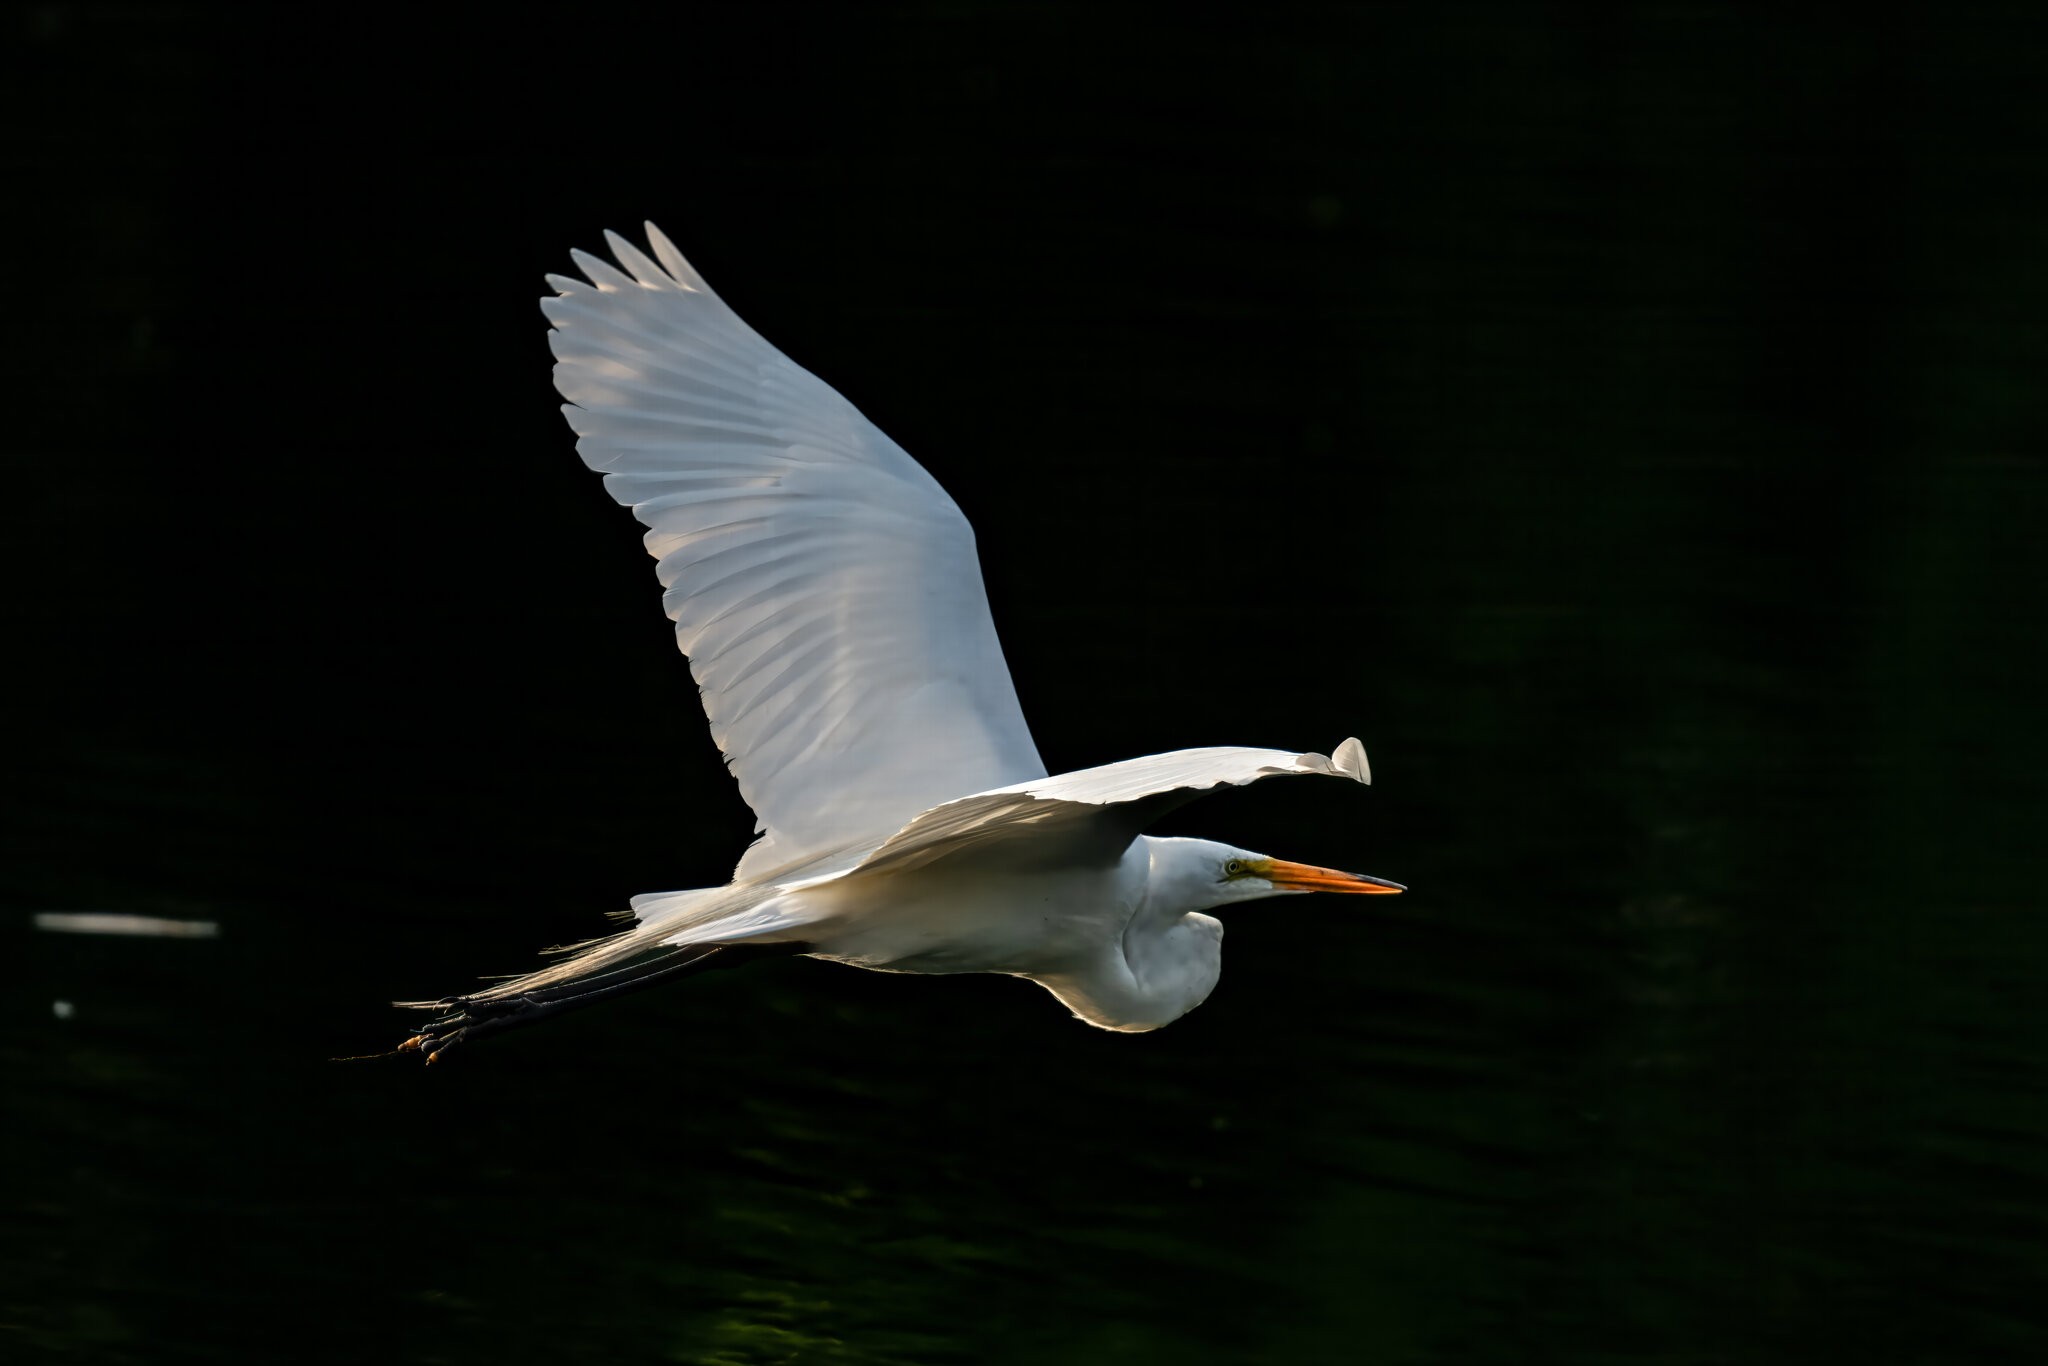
{"x":476,"y":1016}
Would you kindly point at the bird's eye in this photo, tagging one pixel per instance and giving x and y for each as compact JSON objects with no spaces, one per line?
{"x":1233,"y":867}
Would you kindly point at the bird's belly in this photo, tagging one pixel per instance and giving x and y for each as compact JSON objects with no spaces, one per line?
{"x":939,"y":924}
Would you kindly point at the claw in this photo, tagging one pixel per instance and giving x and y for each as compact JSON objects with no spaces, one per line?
{"x":433,"y":1045}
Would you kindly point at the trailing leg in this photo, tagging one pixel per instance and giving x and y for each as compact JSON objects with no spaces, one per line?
{"x":484,"y":1013}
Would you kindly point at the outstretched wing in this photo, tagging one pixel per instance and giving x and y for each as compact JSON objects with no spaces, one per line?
{"x":823,"y":585}
{"x":1096,"y":810}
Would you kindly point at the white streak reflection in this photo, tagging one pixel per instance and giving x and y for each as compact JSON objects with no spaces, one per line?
{"x":110,"y":922}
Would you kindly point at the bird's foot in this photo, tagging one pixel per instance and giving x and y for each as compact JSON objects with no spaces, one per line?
{"x":471,"y":1019}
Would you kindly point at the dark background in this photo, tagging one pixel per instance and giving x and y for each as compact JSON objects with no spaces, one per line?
{"x":1627,"y":420}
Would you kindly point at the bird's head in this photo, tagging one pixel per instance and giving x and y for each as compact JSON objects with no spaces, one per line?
{"x":1170,"y":955}
{"x":1200,"y":875}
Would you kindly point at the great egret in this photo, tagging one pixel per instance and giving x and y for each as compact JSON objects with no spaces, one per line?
{"x":826,"y":592}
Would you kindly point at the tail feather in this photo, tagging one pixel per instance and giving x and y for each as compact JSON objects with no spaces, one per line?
{"x":680,"y":918}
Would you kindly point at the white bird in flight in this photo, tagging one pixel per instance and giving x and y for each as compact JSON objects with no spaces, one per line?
{"x":826,"y":592}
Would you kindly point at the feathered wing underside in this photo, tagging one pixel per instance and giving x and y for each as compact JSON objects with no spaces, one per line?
{"x":1094,"y":811}
{"x":823,"y":585}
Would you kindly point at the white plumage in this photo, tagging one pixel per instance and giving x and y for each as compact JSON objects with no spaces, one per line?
{"x":823,"y":585}
{"x":828,"y":596}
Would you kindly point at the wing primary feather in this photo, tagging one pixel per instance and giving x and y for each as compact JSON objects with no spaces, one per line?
{"x":665,"y":250}
{"x":671,"y":341}
{"x":635,"y":260}
{"x":606,"y":276}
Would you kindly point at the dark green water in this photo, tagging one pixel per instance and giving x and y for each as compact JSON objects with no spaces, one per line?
{"x":1630,"y":427}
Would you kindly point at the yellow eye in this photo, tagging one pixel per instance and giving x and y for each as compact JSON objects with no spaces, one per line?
{"x":1234,"y":868}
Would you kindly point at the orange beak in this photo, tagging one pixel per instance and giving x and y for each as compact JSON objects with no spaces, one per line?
{"x":1305,"y":877}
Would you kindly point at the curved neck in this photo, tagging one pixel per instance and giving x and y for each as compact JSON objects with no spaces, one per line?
{"x":1164,"y":964}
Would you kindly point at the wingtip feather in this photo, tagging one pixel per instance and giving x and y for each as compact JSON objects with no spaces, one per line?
{"x":672,"y":259}
{"x":599,"y":272}
{"x":635,"y":260}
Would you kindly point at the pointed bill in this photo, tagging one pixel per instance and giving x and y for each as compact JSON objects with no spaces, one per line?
{"x":1306,"y":877}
